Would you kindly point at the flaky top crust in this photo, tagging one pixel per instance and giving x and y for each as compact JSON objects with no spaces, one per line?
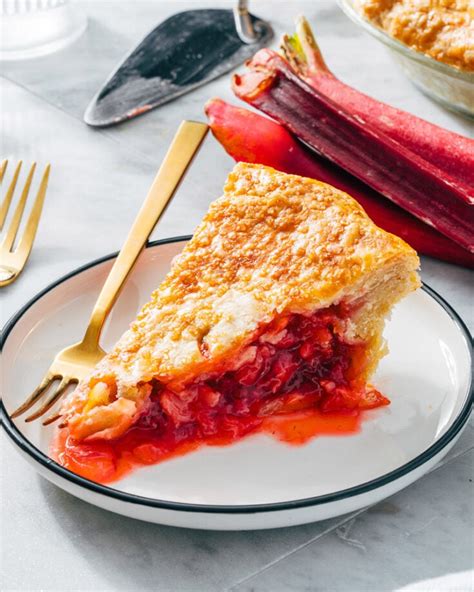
{"x":272,"y":243}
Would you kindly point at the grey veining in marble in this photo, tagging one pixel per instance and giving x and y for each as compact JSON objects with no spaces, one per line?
{"x":54,"y":542}
{"x":423,"y":533}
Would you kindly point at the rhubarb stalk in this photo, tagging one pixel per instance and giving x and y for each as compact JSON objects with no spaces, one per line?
{"x":251,"y":137}
{"x":447,"y":150}
{"x":374,"y":158}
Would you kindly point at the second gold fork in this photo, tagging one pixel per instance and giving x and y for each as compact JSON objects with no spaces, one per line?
{"x":13,"y":260}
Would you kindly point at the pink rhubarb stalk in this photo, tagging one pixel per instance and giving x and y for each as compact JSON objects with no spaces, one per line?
{"x":250,"y":137}
{"x":450,"y":152}
{"x":380,"y":162}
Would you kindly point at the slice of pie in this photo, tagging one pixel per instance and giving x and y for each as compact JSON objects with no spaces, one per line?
{"x":275,"y":306}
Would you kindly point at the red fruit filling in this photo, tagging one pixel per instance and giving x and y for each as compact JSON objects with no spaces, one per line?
{"x":296,"y":379}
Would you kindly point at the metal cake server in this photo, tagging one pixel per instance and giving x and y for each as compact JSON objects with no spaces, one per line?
{"x":182,"y":53}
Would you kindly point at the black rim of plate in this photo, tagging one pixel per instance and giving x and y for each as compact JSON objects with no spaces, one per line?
{"x":26,"y":446}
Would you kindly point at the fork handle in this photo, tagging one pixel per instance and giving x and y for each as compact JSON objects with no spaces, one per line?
{"x":185,"y":145}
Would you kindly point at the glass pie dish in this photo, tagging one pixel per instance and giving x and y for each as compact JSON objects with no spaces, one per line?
{"x":451,"y":87}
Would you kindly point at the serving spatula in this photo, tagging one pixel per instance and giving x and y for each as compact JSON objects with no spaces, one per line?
{"x":182,"y":53}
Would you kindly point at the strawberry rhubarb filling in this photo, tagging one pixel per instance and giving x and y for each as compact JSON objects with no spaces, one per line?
{"x":298,"y":378}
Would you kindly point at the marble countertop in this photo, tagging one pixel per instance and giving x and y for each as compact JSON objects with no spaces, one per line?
{"x":420,"y":539}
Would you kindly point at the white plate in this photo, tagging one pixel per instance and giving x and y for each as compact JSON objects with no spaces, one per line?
{"x":259,"y":482}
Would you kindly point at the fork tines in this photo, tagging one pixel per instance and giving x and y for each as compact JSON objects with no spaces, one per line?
{"x":13,"y":259}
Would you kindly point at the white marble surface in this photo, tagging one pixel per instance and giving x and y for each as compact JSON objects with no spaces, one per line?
{"x":421,"y":539}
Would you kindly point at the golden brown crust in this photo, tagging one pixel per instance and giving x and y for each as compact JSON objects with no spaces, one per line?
{"x":273,"y":243}
{"x":278,"y":242}
{"x":441,"y":29}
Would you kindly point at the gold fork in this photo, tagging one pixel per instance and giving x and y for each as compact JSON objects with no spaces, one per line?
{"x":75,"y":362}
{"x":12,"y":261}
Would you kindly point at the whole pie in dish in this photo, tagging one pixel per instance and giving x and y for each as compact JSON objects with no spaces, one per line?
{"x":273,"y":313}
{"x":441,"y":29}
